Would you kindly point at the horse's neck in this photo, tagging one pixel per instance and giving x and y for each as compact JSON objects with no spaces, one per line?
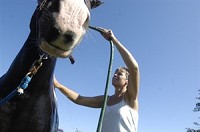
{"x":29,"y":53}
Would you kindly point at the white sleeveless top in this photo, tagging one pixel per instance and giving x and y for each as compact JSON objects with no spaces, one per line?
{"x":120,"y":118}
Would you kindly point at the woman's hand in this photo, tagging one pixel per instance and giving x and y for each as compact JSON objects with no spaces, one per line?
{"x":107,"y":34}
{"x":55,"y":82}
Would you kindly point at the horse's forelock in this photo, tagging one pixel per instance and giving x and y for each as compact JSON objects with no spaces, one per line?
{"x":92,"y":3}
{"x":95,"y":3}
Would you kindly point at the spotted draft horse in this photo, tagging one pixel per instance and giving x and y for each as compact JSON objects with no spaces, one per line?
{"x":56,"y":27}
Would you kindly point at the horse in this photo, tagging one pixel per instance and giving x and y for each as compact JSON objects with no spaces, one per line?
{"x":56,"y":27}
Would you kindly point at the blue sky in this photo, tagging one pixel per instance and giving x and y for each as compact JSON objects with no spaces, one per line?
{"x":163,"y":35}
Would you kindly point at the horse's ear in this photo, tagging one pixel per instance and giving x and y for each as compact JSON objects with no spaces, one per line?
{"x":39,"y":1}
{"x":95,"y":3}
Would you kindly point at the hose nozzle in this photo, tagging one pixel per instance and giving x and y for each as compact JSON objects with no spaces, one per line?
{"x":97,"y":29}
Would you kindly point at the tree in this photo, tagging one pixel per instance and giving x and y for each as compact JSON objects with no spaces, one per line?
{"x":192,"y":130}
{"x":196,"y":109}
{"x":77,"y":130}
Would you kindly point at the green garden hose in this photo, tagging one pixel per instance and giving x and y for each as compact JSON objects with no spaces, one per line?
{"x":99,"y":127}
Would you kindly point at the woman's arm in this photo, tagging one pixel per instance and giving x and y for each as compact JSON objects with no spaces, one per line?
{"x":131,"y":63}
{"x":94,"y":102}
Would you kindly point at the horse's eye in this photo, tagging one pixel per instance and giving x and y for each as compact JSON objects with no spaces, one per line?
{"x":54,"y":6}
{"x":49,"y":4}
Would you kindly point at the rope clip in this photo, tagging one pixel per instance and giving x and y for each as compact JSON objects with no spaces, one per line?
{"x":36,"y":65}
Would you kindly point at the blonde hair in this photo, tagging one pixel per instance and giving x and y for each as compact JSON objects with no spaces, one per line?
{"x":124,"y":69}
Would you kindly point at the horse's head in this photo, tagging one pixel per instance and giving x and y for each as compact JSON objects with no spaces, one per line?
{"x":62,"y":24}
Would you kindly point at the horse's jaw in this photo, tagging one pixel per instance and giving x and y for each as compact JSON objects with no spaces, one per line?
{"x":54,"y":51}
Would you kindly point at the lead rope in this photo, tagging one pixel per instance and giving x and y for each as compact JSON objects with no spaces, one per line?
{"x":99,"y":127}
{"x":34,"y":68}
{"x":25,"y":81}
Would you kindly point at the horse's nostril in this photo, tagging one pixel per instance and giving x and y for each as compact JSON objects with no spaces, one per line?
{"x":69,"y":36}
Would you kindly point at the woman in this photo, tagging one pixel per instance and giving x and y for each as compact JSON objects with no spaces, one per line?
{"x":121,"y":114}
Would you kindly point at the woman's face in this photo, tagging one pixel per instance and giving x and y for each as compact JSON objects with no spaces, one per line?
{"x":119,"y":79}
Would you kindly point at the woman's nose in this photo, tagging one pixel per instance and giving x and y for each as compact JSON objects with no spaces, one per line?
{"x":115,"y":74}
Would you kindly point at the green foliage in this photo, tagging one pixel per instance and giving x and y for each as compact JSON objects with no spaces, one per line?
{"x":192,"y":130}
{"x":196,"y":109}
{"x":77,"y":130}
